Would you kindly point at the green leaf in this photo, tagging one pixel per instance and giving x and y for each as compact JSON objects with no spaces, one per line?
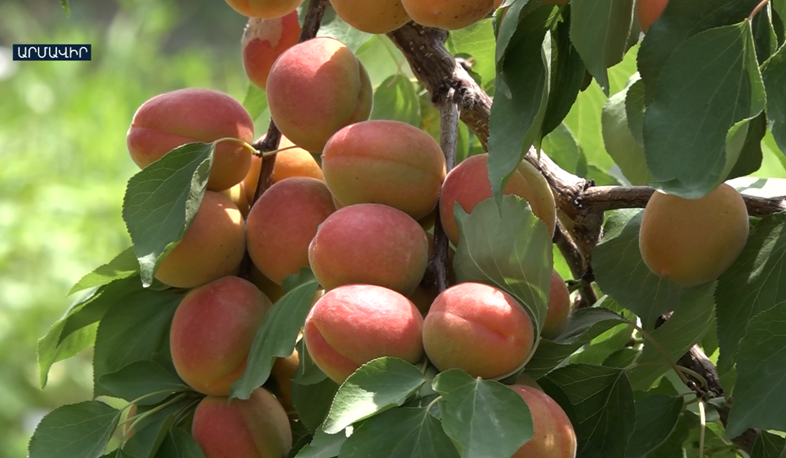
{"x":122,"y":266}
{"x":760,"y":391}
{"x":506,"y":247}
{"x":66,"y":9}
{"x":520,"y":96}
{"x":376,"y":386}
{"x":599,"y":30}
{"x":476,"y":41}
{"x":610,"y":341}
{"x":764,"y":35}
{"x":277,"y":336}
{"x":603,"y":411}
{"x":672,"y":447}
{"x":255,"y":101}
{"x":179,"y":444}
{"x":768,"y":445}
{"x":407,"y":432}
{"x":634,"y":110}
{"x":333,"y":26}
{"x":77,"y":430}
{"x":308,"y":373}
{"x":751,"y":285}
{"x":620,"y":141}
{"x":565,"y":151}
{"x":656,"y":418}
{"x":482,"y":417}
{"x":323,"y":445}
{"x":153,"y":425}
{"x":313,"y":401}
{"x":142,"y":378}
{"x":397,"y":100}
{"x":162,"y":200}
{"x":687,"y":122}
{"x":773,"y":73}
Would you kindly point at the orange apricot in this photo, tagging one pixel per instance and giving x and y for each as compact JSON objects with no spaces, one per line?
{"x":378,"y":16}
{"x":264,"y":9}
{"x":552,"y":433}
{"x":559,"y":308}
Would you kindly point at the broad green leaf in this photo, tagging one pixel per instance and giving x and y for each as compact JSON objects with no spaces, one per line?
{"x":760,"y":391}
{"x":151,"y":431}
{"x":179,"y":444}
{"x":773,"y":73}
{"x":622,"y":358}
{"x":687,"y":123}
{"x":379,"y":385}
{"x":656,"y":418}
{"x":751,"y":285}
{"x":122,"y":266}
{"x":603,"y":345}
{"x":397,"y":100}
{"x":313,"y":401}
{"x":382,"y":58}
{"x":277,"y":336}
{"x":634,"y":109}
{"x":764,"y":35}
{"x":255,"y":101}
{"x":565,"y":151}
{"x":162,"y":200}
{"x":406,"y":432}
{"x":323,"y":445}
{"x":482,"y":417}
{"x":308,"y":373}
{"x":509,"y":248}
{"x":599,"y":30}
{"x":142,"y":378}
{"x":603,"y":411}
{"x":746,"y":138}
{"x":136,"y":329}
{"x":768,"y":446}
{"x":478,"y":42}
{"x":620,"y":141}
{"x":672,"y":447}
{"x":77,"y":430}
{"x":333,"y":26}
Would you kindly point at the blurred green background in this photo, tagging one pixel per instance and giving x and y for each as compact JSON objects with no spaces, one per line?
{"x":64,"y":163}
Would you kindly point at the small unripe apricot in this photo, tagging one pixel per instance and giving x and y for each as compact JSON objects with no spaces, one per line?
{"x":479,"y":329}
{"x":378,"y":16}
{"x":649,"y":11}
{"x":185,"y":116}
{"x":558,"y":312}
{"x":264,"y":9}
{"x":263,"y":41}
{"x":353,"y":324}
{"x":693,"y":241}
{"x":449,"y":14}
{"x":211,"y":248}
{"x":552,"y":433}
{"x":254,"y":428}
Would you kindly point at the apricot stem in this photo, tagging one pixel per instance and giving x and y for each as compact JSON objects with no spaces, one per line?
{"x":758,"y":8}
{"x":703,"y":429}
{"x":274,"y":152}
{"x":238,"y":141}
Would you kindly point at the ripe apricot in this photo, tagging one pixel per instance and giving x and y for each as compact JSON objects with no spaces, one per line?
{"x":263,"y":41}
{"x":558,"y":312}
{"x":353,"y":324}
{"x":314,"y":89}
{"x":238,"y":195}
{"x":185,"y":116}
{"x":264,"y":9}
{"x":479,"y":329}
{"x":449,"y":14}
{"x":293,"y":162}
{"x":552,"y":433}
{"x":212,"y":332}
{"x":386,"y":162}
{"x":693,"y":241}
{"x":379,"y":16}
{"x":649,"y":11}
{"x":211,"y":248}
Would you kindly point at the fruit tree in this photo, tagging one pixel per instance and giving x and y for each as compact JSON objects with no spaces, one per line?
{"x":424,"y":256}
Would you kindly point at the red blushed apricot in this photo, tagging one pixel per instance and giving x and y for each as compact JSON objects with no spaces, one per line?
{"x":283,"y":222}
{"x":379,"y":16}
{"x":468,"y":184}
{"x":185,"y":116}
{"x":479,"y":329}
{"x":263,"y":41}
{"x":558,"y":312}
{"x":212,"y":332}
{"x":314,"y":89}
{"x":372,"y":244}
{"x":353,"y":324}
{"x":385,"y":162}
{"x":552,"y":433}
{"x":264,"y":9}
{"x":254,"y":428}
{"x":449,"y":14}
{"x":649,"y":11}
{"x":211,"y":248}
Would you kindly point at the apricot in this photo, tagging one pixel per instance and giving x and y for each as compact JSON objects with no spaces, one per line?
{"x":353,"y":324}
{"x":372,"y":244}
{"x":559,"y":308}
{"x":294,"y":162}
{"x":238,"y":195}
{"x":185,"y":116}
{"x":264,"y":9}
{"x":479,"y":329}
{"x":379,"y":16}
{"x":552,"y":433}
{"x":449,"y":14}
{"x":693,"y":241}
{"x":271,"y":289}
{"x":263,"y":41}
{"x":212,"y":332}
{"x":212,"y":247}
{"x":314,"y":89}
{"x":282,"y":372}
{"x":254,"y":428}
{"x":468,"y":184}
{"x":386,"y":162}
{"x":649,"y":11}
{"x":282,"y":224}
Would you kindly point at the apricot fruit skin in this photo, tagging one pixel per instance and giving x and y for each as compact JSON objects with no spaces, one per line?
{"x":371,"y":244}
{"x":294,"y":162}
{"x":693,"y":241}
{"x":479,"y":329}
{"x":649,"y":11}
{"x":353,"y":324}
{"x":263,"y":41}
{"x":212,"y":331}
{"x":449,"y":14}
{"x":175,"y":118}
{"x":213,"y":245}
{"x":254,"y":428}
{"x":283,"y":222}
{"x":314,"y":89}
{"x":559,"y":308}
{"x":378,"y":16}
{"x":386,"y":162}
{"x":264,"y":9}
{"x":552,"y":433}
{"x":468,"y":184}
